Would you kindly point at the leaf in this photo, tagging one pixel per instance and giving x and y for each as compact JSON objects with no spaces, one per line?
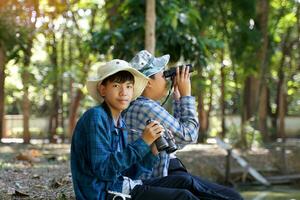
{"x":20,"y":194}
{"x":29,"y":156}
{"x":55,"y":183}
{"x":16,"y":193}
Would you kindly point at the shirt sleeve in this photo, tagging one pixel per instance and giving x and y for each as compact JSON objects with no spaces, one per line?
{"x":176,"y":108}
{"x":185,"y":128}
{"x":106,"y":163}
{"x":143,"y":167}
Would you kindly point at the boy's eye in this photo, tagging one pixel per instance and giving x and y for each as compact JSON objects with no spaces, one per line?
{"x":115,"y":85}
{"x":129,"y":86}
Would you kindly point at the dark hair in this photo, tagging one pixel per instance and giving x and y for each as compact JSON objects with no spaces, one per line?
{"x":119,"y":77}
{"x":152,"y":76}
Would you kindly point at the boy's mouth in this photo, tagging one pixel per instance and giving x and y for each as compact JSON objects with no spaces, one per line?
{"x":123,"y":100}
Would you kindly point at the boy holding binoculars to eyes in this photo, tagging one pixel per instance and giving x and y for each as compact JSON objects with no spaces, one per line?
{"x":183,"y":124}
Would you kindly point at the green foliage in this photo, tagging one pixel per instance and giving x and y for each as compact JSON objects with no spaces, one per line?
{"x":10,"y":32}
{"x":123,"y":31}
{"x":7,"y":29}
{"x":206,"y":33}
{"x":178,"y":31}
{"x":253,"y":137}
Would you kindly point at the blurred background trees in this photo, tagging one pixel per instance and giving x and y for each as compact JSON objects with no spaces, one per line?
{"x":245,"y":53}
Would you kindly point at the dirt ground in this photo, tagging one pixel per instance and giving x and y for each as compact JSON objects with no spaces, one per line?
{"x":41,"y":171}
{"x":35,"y":172}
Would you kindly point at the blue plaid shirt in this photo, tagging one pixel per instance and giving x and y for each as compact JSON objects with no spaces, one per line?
{"x":100,"y":155}
{"x":183,"y":125}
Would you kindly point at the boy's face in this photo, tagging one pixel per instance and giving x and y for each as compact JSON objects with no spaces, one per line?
{"x":117,"y":95}
{"x":159,"y":85}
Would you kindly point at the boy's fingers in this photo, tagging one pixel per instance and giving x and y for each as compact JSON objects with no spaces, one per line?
{"x":183,"y":72}
{"x":159,"y":134}
{"x":177,"y":71}
{"x":152,"y":124}
{"x":177,"y":74}
{"x":157,"y":130}
{"x":187,"y":71}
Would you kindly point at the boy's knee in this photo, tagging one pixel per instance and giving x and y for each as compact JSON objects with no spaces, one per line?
{"x":187,"y":180}
{"x":185,"y":194}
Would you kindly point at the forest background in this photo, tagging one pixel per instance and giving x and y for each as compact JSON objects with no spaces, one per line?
{"x":245,"y":54}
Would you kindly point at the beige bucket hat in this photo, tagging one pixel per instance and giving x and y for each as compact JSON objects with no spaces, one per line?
{"x":110,"y":68}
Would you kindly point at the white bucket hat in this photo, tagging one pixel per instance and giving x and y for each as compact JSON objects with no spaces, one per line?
{"x":110,"y":68}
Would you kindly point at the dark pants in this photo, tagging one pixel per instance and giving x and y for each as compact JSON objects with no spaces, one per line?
{"x":166,"y":188}
{"x":207,"y":190}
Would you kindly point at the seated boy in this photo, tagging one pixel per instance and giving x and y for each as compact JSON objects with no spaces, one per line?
{"x":101,"y":158}
{"x":183,"y":123}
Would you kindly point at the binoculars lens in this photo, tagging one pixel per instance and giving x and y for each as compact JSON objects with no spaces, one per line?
{"x":172,"y":71}
{"x":164,"y":143}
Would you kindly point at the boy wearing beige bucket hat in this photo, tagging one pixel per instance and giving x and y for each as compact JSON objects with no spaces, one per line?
{"x":103,"y":164}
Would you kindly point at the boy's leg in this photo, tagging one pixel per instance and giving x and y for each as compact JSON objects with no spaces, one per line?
{"x":208,"y":189}
{"x":220,"y":191}
{"x":147,"y":192}
{"x":200,"y":189}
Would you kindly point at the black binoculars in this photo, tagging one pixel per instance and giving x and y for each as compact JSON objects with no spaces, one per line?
{"x":165,"y":142}
{"x":172,"y":71}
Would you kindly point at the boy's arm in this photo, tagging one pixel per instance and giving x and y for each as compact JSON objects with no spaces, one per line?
{"x":106,"y":163}
{"x":176,"y":102}
{"x":185,"y":127}
{"x":143,"y":167}
{"x":176,"y":108}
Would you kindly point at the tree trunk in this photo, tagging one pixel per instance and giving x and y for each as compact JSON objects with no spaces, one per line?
{"x":281,"y":113}
{"x":248,"y":108}
{"x":254,"y":100}
{"x":85,"y":59}
{"x":26,"y":101}
{"x":73,"y":111}
{"x":236,"y":96}
{"x":150,"y":26}
{"x":26,"y":108}
{"x":2,"y":80}
{"x":53,"y":120}
{"x":263,"y":112}
{"x":280,"y":85}
{"x":203,"y":120}
{"x":261,"y":99}
{"x":61,"y":87}
{"x":222,"y":97}
{"x":250,"y":94}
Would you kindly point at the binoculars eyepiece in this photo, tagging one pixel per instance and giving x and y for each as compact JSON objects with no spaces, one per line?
{"x":172,"y":71}
{"x":165,"y":142}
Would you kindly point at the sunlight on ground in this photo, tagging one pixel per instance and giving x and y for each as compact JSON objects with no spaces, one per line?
{"x":20,"y":141}
{"x":14,"y":140}
{"x":274,"y":193}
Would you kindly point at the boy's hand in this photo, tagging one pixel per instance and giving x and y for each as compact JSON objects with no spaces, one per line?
{"x":183,"y":81}
{"x":176,"y":94}
{"x":152,"y":131}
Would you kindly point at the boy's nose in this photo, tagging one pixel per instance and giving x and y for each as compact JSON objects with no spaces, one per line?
{"x":123,"y":90}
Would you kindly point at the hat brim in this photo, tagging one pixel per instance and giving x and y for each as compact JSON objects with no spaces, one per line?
{"x":140,"y":82}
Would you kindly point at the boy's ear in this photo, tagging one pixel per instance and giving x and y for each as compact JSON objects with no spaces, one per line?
{"x":102,"y":90}
{"x":149,"y":84}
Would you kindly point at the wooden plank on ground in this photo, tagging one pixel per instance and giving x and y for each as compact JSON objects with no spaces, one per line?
{"x":283,"y":178}
{"x":242,"y":162}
